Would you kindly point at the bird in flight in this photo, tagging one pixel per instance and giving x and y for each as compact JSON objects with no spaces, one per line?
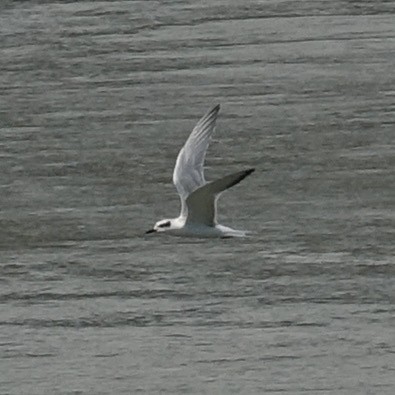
{"x":198,"y":217}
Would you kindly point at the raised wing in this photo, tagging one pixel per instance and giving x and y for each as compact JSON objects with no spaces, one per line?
{"x":201,"y":203}
{"x":188,"y":173}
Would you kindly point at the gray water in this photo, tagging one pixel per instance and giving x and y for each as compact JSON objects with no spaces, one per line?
{"x":96,"y":100}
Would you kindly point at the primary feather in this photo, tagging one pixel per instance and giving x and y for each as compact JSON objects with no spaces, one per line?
{"x":188,"y":172}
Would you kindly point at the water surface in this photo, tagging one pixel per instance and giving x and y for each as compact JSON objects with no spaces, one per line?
{"x":96,"y":100}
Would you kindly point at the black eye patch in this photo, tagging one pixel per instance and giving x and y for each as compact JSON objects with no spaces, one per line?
{"x":164,"y":225}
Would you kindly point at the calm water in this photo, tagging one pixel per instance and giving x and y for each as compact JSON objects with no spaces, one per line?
{"x":96,"y":99}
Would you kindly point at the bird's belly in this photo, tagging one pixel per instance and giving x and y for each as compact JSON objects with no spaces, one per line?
{"x":197,"y":231}
{"x":203,"y":231}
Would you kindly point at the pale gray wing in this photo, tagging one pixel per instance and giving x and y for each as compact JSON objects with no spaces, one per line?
{"x":202,"y":202}
{"x":188,"y":173}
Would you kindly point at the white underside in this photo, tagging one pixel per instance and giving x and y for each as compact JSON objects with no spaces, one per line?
{"x":201,"y":230}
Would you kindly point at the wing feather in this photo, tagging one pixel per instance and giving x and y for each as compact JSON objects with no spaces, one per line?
{"x":188,"y":172}
{"x":201,"y":203}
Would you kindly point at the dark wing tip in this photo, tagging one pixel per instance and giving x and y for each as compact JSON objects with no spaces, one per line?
{"x":239,"y":177}
{"x":202,"y":128}
{"x":245,"y":173}
{"x":213,"y":110}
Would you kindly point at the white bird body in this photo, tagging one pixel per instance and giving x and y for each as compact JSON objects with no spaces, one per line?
{"x":198,"y":197}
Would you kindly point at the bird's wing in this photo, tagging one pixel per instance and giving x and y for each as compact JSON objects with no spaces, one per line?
{"x":188,"y":172}
{"x":201,"y":203}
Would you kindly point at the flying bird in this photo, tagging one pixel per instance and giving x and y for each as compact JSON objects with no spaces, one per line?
{"x":198,"y":217}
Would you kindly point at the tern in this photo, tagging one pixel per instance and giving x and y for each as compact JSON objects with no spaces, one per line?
{"x":198,"y":217}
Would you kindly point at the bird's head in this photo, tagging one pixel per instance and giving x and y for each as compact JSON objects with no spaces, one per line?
{"x":160,"y":226}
